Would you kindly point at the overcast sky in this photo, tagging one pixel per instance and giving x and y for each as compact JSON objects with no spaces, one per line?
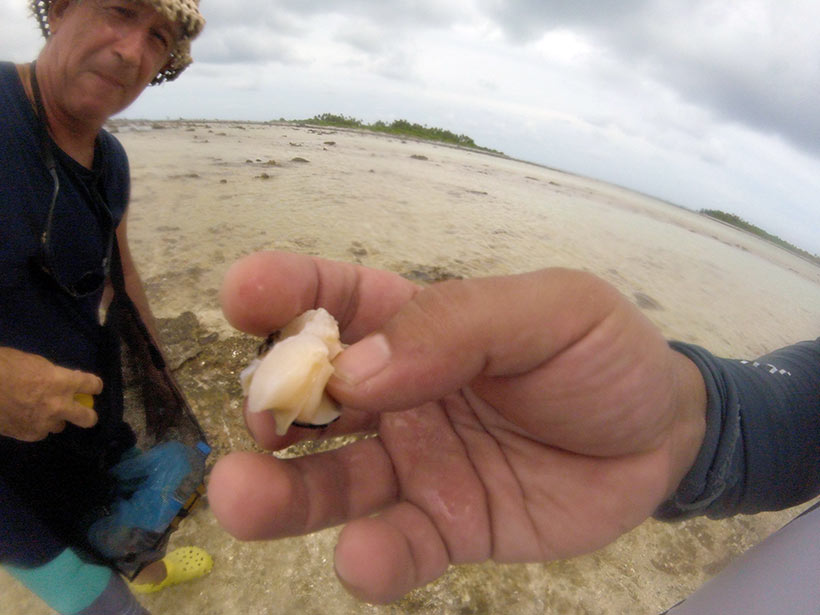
{"x":707,"y":104}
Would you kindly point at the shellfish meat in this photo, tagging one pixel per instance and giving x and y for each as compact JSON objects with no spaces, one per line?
{"x":290,"y":375}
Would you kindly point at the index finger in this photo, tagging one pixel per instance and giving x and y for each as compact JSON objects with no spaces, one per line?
{"x":264,"y":291}
{"x":84,"y":382}
{"x":80,"y":385}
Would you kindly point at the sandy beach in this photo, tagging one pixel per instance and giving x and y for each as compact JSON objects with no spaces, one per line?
{"x":206,"y":193}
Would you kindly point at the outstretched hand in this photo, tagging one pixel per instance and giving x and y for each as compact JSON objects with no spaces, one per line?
{"x":37,"y":397}
{"x":520,"y":418}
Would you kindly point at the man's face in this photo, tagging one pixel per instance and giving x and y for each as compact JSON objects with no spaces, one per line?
{"x":103,"y":53}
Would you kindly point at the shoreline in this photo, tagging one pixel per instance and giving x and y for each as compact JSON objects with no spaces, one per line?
{"x":116,"y":124}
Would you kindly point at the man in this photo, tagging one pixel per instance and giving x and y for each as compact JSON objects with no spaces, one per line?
{"x":64,"y":187}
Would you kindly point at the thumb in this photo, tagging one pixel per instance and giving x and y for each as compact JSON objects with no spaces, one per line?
{"x":453,"y":332}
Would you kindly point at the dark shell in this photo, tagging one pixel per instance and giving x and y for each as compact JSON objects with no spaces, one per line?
{"x":312,"y":426}
{"x":268,"y":343}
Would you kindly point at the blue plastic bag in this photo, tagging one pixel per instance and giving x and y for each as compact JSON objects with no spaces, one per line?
{"x":152,"y":488}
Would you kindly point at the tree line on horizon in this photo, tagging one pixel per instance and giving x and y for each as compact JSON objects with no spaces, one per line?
{"x":398,"y":128}
{"x":742,"y":224}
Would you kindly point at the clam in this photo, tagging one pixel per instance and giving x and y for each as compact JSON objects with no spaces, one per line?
{"x":289,"y":376}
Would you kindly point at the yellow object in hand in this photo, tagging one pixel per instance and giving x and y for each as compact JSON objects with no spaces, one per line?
{"x":85,"y":399}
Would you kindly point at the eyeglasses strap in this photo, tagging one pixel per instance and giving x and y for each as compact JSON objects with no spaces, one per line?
{"x":46,"y":149}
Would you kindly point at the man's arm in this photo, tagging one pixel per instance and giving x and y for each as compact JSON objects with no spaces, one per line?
{"x":762,"y":445}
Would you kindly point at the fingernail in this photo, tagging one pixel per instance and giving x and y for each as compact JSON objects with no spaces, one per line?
{"x":362,"y":360}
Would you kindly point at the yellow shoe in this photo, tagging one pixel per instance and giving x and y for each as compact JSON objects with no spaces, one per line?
{"x":181,"y":565}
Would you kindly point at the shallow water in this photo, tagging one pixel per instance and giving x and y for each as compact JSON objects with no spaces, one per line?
{"x":205,"y":194}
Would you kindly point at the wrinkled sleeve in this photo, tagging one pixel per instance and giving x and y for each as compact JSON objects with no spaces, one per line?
{"x":761,"y":450}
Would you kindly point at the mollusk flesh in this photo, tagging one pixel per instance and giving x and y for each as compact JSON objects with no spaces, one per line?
{"x":290,"y":375}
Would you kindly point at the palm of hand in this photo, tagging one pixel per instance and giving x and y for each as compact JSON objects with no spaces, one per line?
{"x":497,"y":480}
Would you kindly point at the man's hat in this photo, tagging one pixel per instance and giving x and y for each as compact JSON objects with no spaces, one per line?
{"x":183,"y":12}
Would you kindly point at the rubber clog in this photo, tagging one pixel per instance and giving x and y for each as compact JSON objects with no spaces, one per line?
{"x":181,"y":565}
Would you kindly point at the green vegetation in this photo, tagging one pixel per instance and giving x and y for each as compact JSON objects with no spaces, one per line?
{"x":401,"y":128}
{"x":742,"y":224}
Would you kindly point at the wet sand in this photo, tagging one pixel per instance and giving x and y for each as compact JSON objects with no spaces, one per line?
{"x":205,"y":194}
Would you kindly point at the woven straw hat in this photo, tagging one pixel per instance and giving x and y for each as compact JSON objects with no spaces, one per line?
{"x":184,"y":12}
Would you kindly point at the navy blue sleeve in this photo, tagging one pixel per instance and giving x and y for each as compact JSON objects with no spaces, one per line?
{"x":761,"y":450}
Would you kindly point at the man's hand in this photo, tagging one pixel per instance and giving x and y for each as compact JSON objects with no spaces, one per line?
{"x":37,"y":396}
{"x":520,"y":418}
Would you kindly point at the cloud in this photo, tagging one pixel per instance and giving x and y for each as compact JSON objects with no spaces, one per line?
{"x":242,"y":44}
{"x":296,"y":34}
{"x":394,"y":15}
{"x":755,"y":63}
{"x":739,"y":62}
{"x":527,"y":20}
